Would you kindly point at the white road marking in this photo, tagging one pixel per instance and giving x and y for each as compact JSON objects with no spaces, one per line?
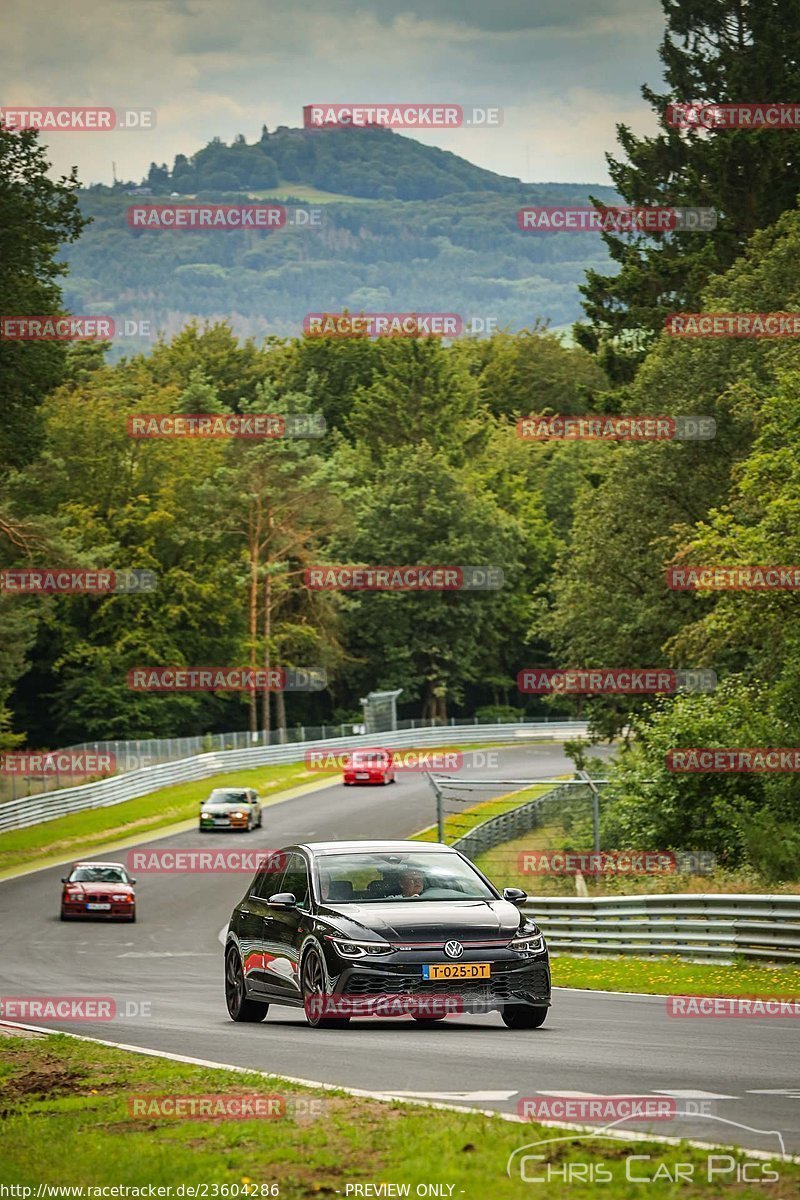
{"x":689,"y":1094}
{"x":790,"y":1091}
{"x":485,"y":1096}
{"x":167,"y":954}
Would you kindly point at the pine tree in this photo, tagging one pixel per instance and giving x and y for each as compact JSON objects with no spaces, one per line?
{"x":714,"y":51}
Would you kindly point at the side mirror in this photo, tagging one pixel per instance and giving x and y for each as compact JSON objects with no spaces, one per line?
{"x":133,"y":880}
{"x":515,"y":895}
{"x":282,"y":900}
{"x":65,"y":878}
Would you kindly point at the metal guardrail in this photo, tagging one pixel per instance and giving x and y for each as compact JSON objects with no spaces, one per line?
{"x":700,"y":926}
{"x":130,"y":755}
{"x":716,"y":927}
{"x":504,"y":827}
{"x":32,"y":810}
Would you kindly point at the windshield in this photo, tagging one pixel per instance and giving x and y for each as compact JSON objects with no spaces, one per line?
{"x":98,"y":875}
{"x":369,"y":878}
{"x":223,"y":796}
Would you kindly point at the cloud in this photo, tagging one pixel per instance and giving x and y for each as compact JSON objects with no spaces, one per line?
{"x":564,"y":75}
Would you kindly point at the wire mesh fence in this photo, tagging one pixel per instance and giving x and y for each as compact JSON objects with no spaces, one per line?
{"x":131,"y":755}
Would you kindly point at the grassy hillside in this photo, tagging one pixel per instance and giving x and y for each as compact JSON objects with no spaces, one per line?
{"x":404,"y":227}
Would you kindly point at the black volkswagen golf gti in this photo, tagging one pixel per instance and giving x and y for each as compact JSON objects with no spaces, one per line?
{"x":344,"y":929}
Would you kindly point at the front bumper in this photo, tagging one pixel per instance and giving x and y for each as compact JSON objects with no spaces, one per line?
{"x":512,"y":980}
{"x":80,"y":911}
{"x":227,"y":823}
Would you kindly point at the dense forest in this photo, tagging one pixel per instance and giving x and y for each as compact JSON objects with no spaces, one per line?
{"x":421,"y":463}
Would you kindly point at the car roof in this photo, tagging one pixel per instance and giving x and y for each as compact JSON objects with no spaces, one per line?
{"x":93,"y":862}
{"x":371,"y":847}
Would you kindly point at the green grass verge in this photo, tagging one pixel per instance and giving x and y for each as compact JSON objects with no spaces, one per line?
{"x":666,"y":975}
{"x":67,"y":1121}
{"x":79,"y":832}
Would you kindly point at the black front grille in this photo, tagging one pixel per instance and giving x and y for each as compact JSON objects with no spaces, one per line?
{"x":505,"y":985}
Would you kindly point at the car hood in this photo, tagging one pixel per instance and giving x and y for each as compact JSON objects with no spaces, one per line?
{"x":101,"y":889}
{"x":222,"y":810}
{"x":428,"y":920}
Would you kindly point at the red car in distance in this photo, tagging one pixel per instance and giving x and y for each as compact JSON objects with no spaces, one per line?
{"x":370,"y":766}
{"x":98,"y":889}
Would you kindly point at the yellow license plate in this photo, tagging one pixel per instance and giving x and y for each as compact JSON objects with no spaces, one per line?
{"x":456,"y":971}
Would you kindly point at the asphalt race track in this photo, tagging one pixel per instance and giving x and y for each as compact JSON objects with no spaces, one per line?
{"x":744,"y":1073}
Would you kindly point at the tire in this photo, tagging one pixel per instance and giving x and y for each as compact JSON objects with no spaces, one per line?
{"x":524,"y":1016}
{"x":64,"y":916}
{"x":239,"y":1007}
{"x":133,"y":917}
{"x":313,"y":978}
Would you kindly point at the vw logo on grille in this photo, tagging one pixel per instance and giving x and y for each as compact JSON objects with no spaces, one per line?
{"x":453,"y":949}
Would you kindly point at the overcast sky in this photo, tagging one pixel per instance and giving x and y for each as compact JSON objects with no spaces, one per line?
{"x":563,"y":73}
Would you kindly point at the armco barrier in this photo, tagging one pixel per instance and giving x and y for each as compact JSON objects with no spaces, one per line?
{"x":710,"y":926}
{"x":506,"y":826}
{"x":32,"y":810}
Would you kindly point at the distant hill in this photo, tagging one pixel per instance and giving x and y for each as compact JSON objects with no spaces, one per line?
{"x":406,"y":227}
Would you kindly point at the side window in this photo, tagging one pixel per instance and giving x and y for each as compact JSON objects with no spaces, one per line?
{"x":264,"y":885}
{"x":268,"y":880}
{"x":295,"y":879}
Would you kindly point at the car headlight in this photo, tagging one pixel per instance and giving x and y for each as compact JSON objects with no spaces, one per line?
{"x":529,"y":941}
{"x":358,"y":949}
{"x":205,"y":816}
{"x":121,"y":899}
{"x":239,"y":815}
